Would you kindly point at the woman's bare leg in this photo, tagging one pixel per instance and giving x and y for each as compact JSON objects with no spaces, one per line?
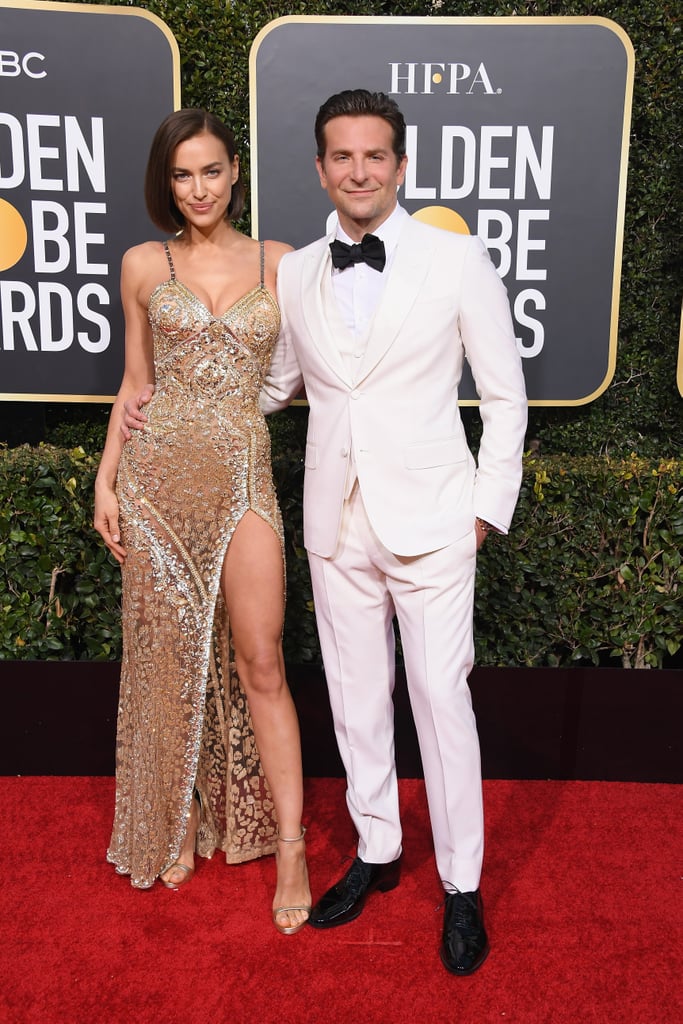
{"x":253,"y":590}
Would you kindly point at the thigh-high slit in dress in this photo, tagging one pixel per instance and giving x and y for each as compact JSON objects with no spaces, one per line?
{"x":183,"y":485}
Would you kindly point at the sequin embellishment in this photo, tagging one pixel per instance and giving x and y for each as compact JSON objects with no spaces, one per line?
{"x":183,"y":485}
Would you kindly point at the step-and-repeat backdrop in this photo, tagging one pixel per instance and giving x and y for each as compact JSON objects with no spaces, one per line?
{"x":82,"y":90}
{"x":517,"y":131}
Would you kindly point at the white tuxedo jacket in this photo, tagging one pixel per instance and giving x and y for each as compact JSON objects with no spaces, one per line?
{"x":399,"y":420}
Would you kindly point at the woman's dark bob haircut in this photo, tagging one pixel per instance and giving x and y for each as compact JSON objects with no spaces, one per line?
{"x":174,"y":129}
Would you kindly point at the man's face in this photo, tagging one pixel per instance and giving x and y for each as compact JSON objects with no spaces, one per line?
{"x":360,"y":171}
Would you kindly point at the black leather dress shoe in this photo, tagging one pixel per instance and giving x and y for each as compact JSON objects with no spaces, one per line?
{"x":465,"y":945}
{"x":345,"y":900}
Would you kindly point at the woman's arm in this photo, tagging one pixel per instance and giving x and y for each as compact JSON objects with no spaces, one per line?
{"x":138,"y":371}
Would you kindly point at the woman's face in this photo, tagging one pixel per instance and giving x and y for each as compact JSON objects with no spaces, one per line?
{"x":202,"y":176}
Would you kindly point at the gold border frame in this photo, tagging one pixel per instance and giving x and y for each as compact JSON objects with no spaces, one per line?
{"x":138,"y":12}
{"x":508,"y":21}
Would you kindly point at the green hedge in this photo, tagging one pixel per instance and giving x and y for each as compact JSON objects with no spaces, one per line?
{"x":589,"y":574}
{"x":591,"y":571}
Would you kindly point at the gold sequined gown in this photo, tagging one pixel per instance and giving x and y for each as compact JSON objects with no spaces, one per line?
{"x":183,"y":485}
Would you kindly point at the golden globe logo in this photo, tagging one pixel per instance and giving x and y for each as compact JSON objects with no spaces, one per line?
{"x":13,"y":236}
{"x":60,"y":155}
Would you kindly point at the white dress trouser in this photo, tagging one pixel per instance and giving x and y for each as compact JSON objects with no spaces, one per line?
{"x":356,"y":594}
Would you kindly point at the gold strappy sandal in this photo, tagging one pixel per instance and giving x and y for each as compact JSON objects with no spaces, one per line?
{"x":294,"y":928}
{"x":189,"y":871}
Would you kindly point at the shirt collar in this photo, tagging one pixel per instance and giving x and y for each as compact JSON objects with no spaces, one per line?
{"x":389,"y":230}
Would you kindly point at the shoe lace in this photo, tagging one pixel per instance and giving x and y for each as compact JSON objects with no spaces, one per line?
{"x":462,"y":910}
{"x":357,"y":877}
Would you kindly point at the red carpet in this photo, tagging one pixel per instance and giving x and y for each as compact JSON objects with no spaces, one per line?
{"x":582,"y":888}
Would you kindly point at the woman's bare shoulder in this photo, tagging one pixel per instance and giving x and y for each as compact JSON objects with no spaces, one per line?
{"x":141,"y":257}
{"x":275,"y":251}
{"x":278,"y":248}
{"x":143,"y":267}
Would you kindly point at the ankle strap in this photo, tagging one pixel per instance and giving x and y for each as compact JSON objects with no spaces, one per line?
{"x":297,"y":839}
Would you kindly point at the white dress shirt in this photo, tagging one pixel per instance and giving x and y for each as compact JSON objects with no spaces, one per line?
{"x":358,"y":288}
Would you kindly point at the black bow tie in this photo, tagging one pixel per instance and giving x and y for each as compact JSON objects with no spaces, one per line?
{"x":370,"y":251}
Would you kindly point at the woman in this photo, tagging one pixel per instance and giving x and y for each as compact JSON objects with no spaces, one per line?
{"x":201,"y":543}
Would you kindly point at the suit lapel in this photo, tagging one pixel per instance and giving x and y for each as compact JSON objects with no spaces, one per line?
{"x":410,"y":266}
{"x":321,"y":316}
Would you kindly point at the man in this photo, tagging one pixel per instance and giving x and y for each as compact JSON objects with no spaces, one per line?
{"x":394,"y":506}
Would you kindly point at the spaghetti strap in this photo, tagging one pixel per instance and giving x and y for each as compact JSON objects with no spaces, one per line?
{"x":170,"y":261}
{"x":263,"y":261}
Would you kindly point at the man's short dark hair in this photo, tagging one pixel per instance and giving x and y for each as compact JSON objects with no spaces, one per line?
{"x":362,"y":103}
{"x":178,"y":127}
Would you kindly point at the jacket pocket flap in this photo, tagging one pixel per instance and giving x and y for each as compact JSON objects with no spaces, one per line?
{"x":434,"y":453}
